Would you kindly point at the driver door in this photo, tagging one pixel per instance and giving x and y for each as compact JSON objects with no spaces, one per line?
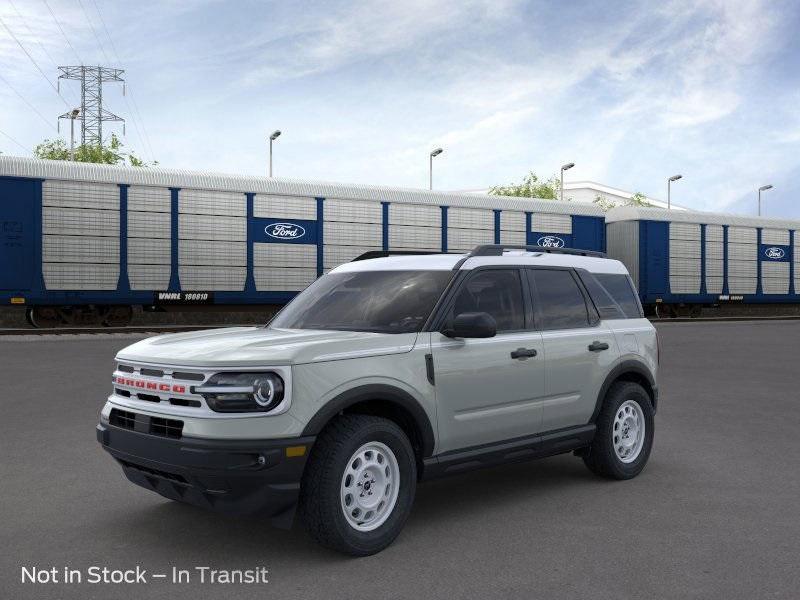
{"x":483,"y":394}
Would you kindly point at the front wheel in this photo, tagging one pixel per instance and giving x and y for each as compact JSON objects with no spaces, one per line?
{"x":624,"y":436}
{"x":359,"y":485}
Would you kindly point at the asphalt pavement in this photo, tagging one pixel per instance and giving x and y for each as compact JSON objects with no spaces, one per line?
{"x":714,"y":514}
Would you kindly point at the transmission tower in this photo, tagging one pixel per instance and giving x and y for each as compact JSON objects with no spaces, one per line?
{"x":92,"y":113}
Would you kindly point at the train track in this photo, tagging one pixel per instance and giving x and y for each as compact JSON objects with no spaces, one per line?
{"x":154,"y":329}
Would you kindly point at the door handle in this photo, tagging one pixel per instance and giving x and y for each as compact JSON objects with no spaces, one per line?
{"x":523,"y":353}
{"x":597,"y":346}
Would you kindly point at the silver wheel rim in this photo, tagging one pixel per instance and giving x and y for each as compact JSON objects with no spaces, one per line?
{"x":370,"y":486}
{"x":628,"y":432}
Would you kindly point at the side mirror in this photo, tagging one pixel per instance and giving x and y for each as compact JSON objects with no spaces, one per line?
{"x":472,"y":325}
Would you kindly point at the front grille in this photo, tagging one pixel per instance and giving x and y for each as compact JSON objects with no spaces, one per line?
{"x":171,"y":428}
{"x":158,"y":473}
{"x":122,"y":418}
{"x":187,"y":376}
{"x":151,"y":372}
{"x":185,"y":402}
{"x":158,"y":426}
{"x":148,"y":397}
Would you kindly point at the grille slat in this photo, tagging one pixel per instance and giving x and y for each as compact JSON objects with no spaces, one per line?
{"x":171,"y":428}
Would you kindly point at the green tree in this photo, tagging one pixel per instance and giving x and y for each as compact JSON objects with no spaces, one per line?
{"x":606,"y":203}
{"x":530,"y":187}
{"x":110,"y":154}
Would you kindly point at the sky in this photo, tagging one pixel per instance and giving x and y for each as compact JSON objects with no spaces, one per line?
{"x":631,"y":92}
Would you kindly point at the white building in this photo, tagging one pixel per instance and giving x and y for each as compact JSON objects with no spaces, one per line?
{"x":586,"y":192}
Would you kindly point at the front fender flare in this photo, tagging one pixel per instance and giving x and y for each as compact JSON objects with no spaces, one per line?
{"x":375,"y":391}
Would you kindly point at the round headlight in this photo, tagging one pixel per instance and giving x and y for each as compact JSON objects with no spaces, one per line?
{"x":264,"y":391}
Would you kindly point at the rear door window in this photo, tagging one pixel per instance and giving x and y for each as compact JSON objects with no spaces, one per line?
{"x":558,"y":299}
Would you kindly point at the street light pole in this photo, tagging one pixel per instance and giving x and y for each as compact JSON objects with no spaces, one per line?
{"x":272,"y":138}
{"x":669,"y":182}
{"x":435,"y":152}
{"x":763,"y":188}
{"x":72,"y":115}
{"x":565,"y":167}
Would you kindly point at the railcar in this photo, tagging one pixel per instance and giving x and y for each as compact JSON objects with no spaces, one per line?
{"x":85,"y":243}
{"x":682,"y":261}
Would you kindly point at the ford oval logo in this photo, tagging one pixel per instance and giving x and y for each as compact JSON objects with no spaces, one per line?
{"x":550,"y":241}
{"x":774,"y":253}
{"x":285,"y":231}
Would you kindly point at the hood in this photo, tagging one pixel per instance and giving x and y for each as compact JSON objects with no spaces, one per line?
{"x":259,"y":346}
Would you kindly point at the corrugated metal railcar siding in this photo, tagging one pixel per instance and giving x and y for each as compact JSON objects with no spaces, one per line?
{"x":80,"y":235}
{"x":284,"y":267}
{"x":211,"y":224}
{"x":469,"y":227}
{"x":796,"y":260}
{"x":415,"y":227}
{"x":715,"y":264}
{"x":622,"y":240}
{"x":742,"y":260}
{"x":351,"y":227}
{"x":512,"y":227}
{"x":684,"y":258}
{"x":149,"y":243}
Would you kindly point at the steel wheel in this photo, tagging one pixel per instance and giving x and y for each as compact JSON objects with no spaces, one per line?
{"x":369,"y":486}
{"x":629,"y":431}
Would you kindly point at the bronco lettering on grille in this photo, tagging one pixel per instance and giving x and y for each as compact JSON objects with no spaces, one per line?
{"x":150,"y":385}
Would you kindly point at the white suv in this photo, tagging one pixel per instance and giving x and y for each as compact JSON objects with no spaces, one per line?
{"x":386,"y":371}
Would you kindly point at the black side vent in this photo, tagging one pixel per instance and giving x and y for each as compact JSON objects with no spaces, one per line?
{"x":122,"y":418}
{"x":170,"y":428}
{"x":124,"y":393}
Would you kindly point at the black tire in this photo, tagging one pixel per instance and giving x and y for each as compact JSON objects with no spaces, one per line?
{"x":320,"y":504}
{"x":600,"y":457}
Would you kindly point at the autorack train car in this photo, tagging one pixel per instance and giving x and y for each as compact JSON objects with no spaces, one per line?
{"x":684,"y":260}
{"x":84,"y":243}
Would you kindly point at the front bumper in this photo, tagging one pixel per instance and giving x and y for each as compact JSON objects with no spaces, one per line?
{"x":242,"y":477}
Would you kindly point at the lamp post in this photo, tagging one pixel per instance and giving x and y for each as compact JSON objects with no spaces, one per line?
{"x":272,"y":138}
{"x":565,"y":167}
{"x":763,"y":188}
{"x":435,"y":152}
{"x":72,"y":116}
{"x":669,"y":183}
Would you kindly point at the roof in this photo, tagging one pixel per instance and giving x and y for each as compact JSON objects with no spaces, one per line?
{"x":14,"y":166}
{"x":446,"y":262}
{"x":633,"y":213}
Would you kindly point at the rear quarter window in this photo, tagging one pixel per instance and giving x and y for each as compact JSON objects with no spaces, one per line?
{"x":617,"y":299}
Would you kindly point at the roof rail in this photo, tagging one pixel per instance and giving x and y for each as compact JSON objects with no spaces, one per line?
{"x":387,"y":253}
{"x":498,"y":249}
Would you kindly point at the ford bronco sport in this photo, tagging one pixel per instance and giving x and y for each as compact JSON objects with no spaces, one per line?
{"x":387,"y":371}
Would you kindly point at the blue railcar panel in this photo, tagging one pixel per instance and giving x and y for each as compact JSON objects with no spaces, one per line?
{"x":18,"y":233}
{"x":653,"y":259}
{"x":588,"y":233}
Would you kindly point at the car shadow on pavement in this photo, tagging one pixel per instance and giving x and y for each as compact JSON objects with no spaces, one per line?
{"x":164,"y":524}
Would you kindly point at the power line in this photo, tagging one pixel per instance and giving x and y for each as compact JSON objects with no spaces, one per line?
{"x":15,"y":141}
{"x":35,"y":64}
{"x":66,"y":39}
{"x":32,"y":107}
{"x":33,"y":36}
{"x":135,"y":112}
{"x":96,"y":37}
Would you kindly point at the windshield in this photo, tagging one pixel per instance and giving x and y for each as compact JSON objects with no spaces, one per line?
{"x":378,"y":301}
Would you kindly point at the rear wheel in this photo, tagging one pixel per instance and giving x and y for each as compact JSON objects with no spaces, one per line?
{"x":624,"y":437}
{"x":359,"y":485}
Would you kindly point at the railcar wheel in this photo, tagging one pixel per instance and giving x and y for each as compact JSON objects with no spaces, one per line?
{"x":45,"y":317}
